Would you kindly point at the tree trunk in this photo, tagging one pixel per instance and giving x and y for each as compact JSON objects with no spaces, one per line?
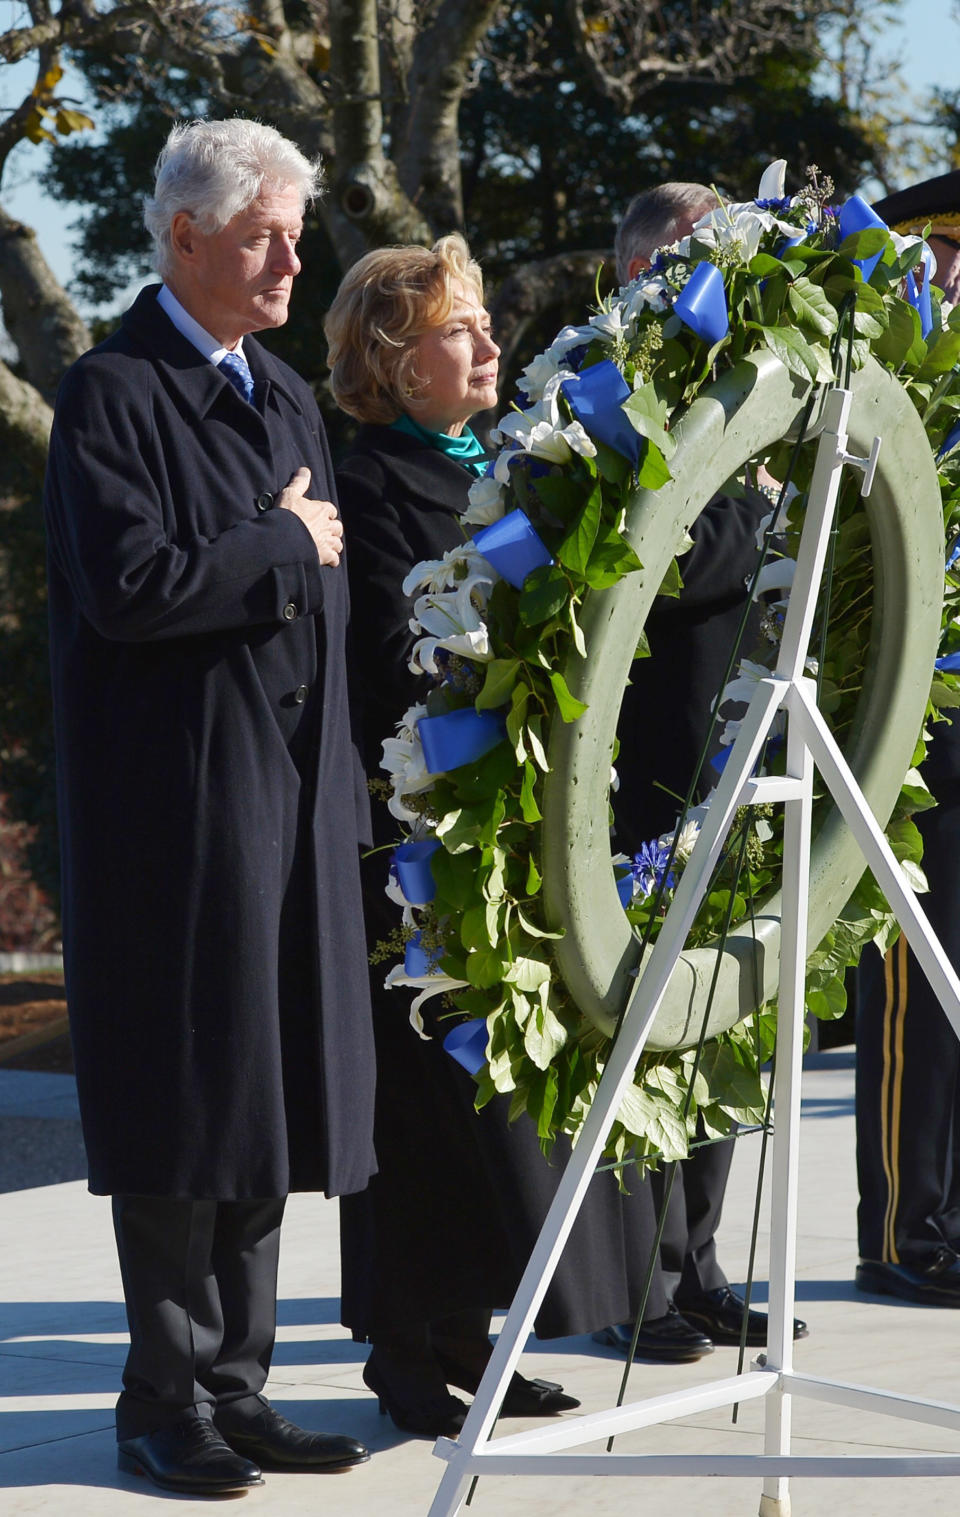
{"x":38,"y":313}
{"x":25,"y":422}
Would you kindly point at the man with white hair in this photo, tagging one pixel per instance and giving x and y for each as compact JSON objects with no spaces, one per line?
{"x":209,"y":807}
{"x":690,"y":639}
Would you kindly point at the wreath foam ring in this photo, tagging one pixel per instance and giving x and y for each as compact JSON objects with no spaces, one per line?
{"x":825,"y":289}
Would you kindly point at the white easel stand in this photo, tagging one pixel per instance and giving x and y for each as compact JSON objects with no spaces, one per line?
{"x":809,"y":743}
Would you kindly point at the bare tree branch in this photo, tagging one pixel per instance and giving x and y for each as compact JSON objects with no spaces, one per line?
{"x":428,"y":159}
{"x":630,"y":46}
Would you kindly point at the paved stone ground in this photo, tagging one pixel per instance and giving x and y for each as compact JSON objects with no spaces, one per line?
{"x":62,"y":1343}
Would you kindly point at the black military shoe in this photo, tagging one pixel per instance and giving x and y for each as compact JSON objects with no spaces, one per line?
{"x":720,"y":1313}
{"x":277,"y":1444}
{"x":662,"y":1340}
{"x":933,"y":1282}
{"x":188,"y":1456}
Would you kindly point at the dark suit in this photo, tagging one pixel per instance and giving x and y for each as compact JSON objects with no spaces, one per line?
{"x":908,"y":1057}
{"x":663,"y":724}
{"x":208,"y":790}
{"x":448,"y":1223}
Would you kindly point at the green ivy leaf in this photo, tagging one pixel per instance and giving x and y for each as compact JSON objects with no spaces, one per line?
{"x":535,"y":742}
{"x":485,"y":967}
{"x":798,"y":355}
{"x":534,"y":878}
{"x":903,"y":335}
{"x":562,"y":497}
{"x":652,"y":471}
{"x":647,"y":413}
{"x":574,"y":551}
{"x":544,"y":593}
{"x":568,"y":705}
{"x":501,"y":674}
{"x":455,"y":874}
{"x":811,"y":306}
{"x":860,"y":246}
{"x":535,"y":932}
{"x":528,"y":805}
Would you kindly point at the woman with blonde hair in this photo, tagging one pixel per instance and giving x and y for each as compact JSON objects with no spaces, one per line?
{"x":444,"y":1231}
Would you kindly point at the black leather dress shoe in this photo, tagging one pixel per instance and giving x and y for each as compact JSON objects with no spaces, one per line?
{"x":720,"y":1313}
{"x":462,"y":1364}
{"x":277,"y":1444}
{"x":935,"y":1282}
{"x":188,"y":1456}
{"x":662,"y":1340}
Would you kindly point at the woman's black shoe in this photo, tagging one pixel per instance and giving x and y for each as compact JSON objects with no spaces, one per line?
{"x":415,"y":1395}
{"x":463,"y":1363}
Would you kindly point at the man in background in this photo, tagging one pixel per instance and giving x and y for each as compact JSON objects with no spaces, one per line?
{"x":908,"y":1056}
{"x":690,"y":638}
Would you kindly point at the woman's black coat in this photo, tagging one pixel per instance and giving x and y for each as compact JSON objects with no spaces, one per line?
{"x":450,"y":1220}
{"x":208,"y":786}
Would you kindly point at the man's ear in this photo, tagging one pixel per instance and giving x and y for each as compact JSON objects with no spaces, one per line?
{"x":634,"y":267}
{"x":183,"y":235}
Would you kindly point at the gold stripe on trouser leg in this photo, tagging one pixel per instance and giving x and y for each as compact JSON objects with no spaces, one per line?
{"x":894,"y":1015}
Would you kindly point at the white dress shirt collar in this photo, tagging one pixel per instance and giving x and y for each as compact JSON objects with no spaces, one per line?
{"x":212,"y":350}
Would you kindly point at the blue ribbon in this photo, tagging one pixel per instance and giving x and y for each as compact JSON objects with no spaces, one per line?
{"x":513,"y":547}
{"x":919,"y":296}
{"x":702,"y":304}
{"x":857,"y":216}
{"x":596,"y":400}
{"x":459,"y":737}
{"x":950,"y":441}
{"x":949,"y":663}
{"x":467,"y":1043}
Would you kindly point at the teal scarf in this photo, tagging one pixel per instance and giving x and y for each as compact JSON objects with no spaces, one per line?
{"x":466,"y":449}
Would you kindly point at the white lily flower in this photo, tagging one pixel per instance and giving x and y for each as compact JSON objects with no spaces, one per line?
{"x":745,"y":682}
{"x":536,"y":376}
{"x":487,"y":502}
{"x":542,"y":433}
{"x":776,"y":575}
{"x":404,"y":761}
{"x":617,"y":322}
{"x":772,"y":180}
{"x":451,"y":619}
{"x":434,"y":985}
{"x":740,"y":226}
{"x":649,"y":290}
{"x":436,"y":574}
{"x":686,"y":839}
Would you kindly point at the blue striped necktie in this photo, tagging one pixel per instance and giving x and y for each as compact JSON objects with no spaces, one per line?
{"x":237,"y":371}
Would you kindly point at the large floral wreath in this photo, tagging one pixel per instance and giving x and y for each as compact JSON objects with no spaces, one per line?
{"x":820,"y":286}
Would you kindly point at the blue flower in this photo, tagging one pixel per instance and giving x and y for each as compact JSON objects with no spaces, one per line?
{"x":649,"y":866}
{"x":783,"y":203}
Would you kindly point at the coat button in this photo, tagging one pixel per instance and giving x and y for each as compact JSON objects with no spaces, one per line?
{"x":300,"y":694}
{"x":264,"y":501}
{"x":290,"y":612}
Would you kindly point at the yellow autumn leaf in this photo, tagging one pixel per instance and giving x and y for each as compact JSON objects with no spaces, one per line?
{"x":72,"y":121}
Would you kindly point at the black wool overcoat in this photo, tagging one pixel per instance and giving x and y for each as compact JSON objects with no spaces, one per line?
{"x":450,"y":1220}
{"x":665,"y":715}
{"x":209,"y":790}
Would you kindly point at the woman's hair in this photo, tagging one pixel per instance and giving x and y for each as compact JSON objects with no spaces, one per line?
{"x":213,"y":170}
{"x":386,"y":301}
